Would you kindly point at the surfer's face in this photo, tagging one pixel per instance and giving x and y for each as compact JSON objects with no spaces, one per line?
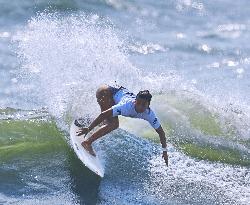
{"x":141,"y":105}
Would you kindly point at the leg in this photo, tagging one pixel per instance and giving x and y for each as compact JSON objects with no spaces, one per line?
{"x":105,"y":129}
{"x":105,"y":100}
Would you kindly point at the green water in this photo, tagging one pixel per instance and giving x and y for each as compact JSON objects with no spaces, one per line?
{"x":229,"y":156}
{"x":20,"y":138}
{"x":197,"y":119}
{"x":36,"y":159}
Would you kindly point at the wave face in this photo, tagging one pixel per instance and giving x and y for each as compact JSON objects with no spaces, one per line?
{"x":37,"y":165}
{"x":36,"y":158}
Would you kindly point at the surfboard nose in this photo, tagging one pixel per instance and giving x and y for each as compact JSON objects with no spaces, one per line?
{"x":93,"y":163}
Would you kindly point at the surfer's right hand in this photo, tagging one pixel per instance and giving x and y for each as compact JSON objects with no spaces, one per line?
{"x":83,"y":130}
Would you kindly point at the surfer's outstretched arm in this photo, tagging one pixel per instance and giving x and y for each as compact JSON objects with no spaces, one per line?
{"x":162,"y":136}
{"x":103,"y":116}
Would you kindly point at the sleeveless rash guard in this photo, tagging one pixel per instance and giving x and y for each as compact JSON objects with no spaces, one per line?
{"x":125,"y":106}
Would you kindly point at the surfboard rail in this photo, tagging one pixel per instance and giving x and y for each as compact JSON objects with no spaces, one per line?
{"x":91,"y":162}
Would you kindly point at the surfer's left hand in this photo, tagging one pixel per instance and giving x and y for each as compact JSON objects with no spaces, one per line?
{"x":82,"y":131}
{"x":165,"y":157}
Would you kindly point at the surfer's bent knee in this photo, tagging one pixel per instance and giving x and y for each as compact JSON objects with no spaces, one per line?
{"x":112,"y":122}
{"x":115,"y":124}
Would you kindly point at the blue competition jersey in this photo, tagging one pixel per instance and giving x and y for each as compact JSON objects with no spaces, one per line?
{"x":125,"y":106}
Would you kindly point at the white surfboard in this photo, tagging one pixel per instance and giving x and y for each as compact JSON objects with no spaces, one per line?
{"x":93,"y":163}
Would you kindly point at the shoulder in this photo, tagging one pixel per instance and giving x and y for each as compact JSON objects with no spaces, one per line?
{"x":150,"y":115}
{"x":150,"y":112}
{"x":153,"y":119}
{"x":123,"y":105}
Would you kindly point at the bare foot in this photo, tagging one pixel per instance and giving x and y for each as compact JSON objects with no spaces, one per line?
{"x":88,"y":147}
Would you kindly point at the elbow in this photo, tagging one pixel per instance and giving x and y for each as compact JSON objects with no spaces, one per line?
{"x":162,"y":135}
{"x":104,"y":115}
{"x":160,"y":131}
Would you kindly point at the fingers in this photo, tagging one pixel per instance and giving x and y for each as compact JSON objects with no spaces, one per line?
{"x":166,"y":161}
{"x":79,"y":133}
{"x":165,"y":157}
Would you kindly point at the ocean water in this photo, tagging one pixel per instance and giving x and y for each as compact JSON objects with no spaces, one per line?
{"x":193,"y":55}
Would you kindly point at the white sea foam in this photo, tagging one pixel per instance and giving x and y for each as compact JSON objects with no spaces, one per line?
{"x":70,"y":57}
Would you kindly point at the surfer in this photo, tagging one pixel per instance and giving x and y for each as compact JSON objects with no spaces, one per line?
{"x":116,"y":101}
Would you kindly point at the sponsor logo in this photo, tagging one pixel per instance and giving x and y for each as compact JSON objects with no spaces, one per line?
{"x":119,"y":112}
{"x":155,"y":120}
